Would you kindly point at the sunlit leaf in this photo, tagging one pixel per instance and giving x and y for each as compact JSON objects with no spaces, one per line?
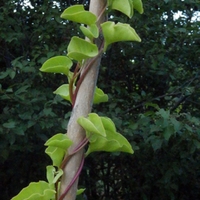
{"x":50,"y":171}
{"x":80,"y":49}
{"x":63,"y":91}
{"x":96,"y":120}
{"x":58,"y":174}
{"x":108,"y":124}
{"x":92,"y":124}
{"x":91,"y":31}
{"x":59,"y":140}
{"x":137,"y":5}
{"x":99,"y":96}
{"x":124,"y":6}
{"x":56,"y":154}
{"x":80,"y":191}
{"x":57,"y":147}
{"x":36,"y":190}
{"x":77,"y":13}
{"x":58,"y":64}
{"x":110,"y":141}
{"x":118,"y":32}
{"x":52,"y":174}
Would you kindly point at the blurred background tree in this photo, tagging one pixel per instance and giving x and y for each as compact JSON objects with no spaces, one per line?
{"x":154,"y":99}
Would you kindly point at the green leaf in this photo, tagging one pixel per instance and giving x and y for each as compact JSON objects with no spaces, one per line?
{"x":109,"y":141}
{"x":125,"y":6}
{"x":12,"y":74}
{"x":19,"y":130}
{"x":4,"y":74}
{"x":57,"y":147}
{"x":52,"y":174}
{"x":80,"y":49}
{"x":177,"y":125}
{"x":78,"y":14}
{"x":196,"y":143}
{"x":36,"y":190}
{"x":163,"y":113}
{"x":156,"y":143}
{"x":168,"y":132}
{"x":57,"y":64}
{"x":92,"y":124}
{"x":108,"y":124}
{"x":112,"y":142}
{"x":56,"y":154}
{"x":10,"y":124}
{"x":150,"y":104}
{"x":59,"y":140}
{"x":118,"y":32}
{"x":50,"y":171}
{"x":22,"y":89}
{"x":63,"y":91}
{"x":99,"y":96}
{"x":80,"y":191}
{"x":91,"y":31}
{"x":137,"y":5}
{"x":58,"y":174}
{"x":189,"y":128}
{"x":96,"y":120}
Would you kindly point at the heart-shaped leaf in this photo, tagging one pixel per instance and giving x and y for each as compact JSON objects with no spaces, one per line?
{"x":78,"y":14}
{"x":57,"y":147}
{"x":92,"y":124}
{"x":52,"y":174}
{"x":57,"y":64}
{"x":91,"y":31}
{"x":118,"y":32}
{"x":108,"y":124}
{"x":80,"y":191}
{"x":124,"y":6}
{"x":63,"y":91}
{"x":36,"y":190}
{"x":99,"y":96}
{"x":50,"y":171}
{"x":96,"y":120}
{"x":59,"y":140}
{"x":56,"y":154}
{"x":111,"y":143}
{"x":137,"y":5}
{"x":80,"y":49}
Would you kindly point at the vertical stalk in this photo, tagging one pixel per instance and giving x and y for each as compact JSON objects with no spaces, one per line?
{"x":82,"y":107}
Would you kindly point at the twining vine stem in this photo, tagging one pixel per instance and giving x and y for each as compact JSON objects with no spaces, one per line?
{"x":79,"y":146}
{"x":73,"y":180}
{"x":85,"y":140}
{"x":71,"y":83}
{"x":83,"y":76}
{"x":82,"y":72}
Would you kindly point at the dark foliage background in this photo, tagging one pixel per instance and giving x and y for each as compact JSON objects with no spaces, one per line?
{"x":154,"y":99}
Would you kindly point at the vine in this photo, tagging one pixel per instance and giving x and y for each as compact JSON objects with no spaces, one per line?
{"x":100,"y":132}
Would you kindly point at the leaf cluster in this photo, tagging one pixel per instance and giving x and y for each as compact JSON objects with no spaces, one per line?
{"x":163,"y":70}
